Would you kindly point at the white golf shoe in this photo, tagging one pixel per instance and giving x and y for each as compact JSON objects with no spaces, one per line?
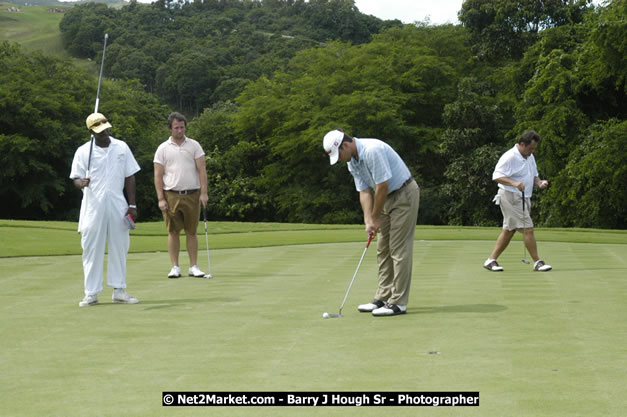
{"x":89,"y":300}
{"x":120,"y":296}
{"x":195,"y":272}
{"x":390,"y":310}
{"x":175,"y":272}
{"x":540,"y":266}
{"x":492,"y":265}
{"x":369,"y":307}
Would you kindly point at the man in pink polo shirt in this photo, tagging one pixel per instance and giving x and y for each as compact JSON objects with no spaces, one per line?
{"x":181,"y":185}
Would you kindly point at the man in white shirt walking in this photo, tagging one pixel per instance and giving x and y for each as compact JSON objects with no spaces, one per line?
{"x":181,"y":185}
{"x":516,"y":173}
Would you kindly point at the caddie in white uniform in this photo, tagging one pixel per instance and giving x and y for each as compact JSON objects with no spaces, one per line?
{"x":104,"y":209}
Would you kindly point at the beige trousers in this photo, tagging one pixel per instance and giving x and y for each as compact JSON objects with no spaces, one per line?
{"x":395,"y":244}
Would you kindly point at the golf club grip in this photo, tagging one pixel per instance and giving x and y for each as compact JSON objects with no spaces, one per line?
{"x":91,"y":148}
{"x":370,"y":237}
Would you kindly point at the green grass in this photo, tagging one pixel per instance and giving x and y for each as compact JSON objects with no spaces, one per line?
{"x":533,"y":344}
{"x":37,"y":29}
{"x":33,"y":27}
{"x":29,"y":238}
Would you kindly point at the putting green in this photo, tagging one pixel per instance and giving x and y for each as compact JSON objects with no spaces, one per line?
{"x":532,"y":344}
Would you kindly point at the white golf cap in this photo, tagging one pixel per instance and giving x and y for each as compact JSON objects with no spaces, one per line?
{"x":97,"y":122}
{"x":331,"y":143}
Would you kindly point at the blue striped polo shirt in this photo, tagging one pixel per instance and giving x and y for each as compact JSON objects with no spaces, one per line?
{"x":378,"y":163}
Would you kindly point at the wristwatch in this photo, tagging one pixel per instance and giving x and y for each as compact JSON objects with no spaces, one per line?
{"x":132,"y":206}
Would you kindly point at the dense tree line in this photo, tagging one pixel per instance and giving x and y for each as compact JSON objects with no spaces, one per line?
{"x":195,"y":54}
{"x":264,"y":80}
{"x":44,"y":102}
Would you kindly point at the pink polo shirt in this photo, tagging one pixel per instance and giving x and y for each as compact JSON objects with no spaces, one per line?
{"x":179,"y":163}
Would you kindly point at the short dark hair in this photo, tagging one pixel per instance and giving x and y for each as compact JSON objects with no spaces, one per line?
{"x":346,"y":137}
{"x":176,"y":116}
{"x":528,"y":136}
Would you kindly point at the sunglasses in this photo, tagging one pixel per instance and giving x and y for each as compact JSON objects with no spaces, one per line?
{"x":98,"y":123}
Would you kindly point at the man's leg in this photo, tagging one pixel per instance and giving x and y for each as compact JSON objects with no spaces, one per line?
{"x":501,"y":243}
{"x":119,"y":242}
{"x":174,"y":247}
{"x":93,"y":242}
{"x":530,"y":243}
{"x":384,"y":261}
{"x":192,"y":247}
{"x":404,"y":214}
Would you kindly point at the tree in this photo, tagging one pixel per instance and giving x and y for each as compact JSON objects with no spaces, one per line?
{"x":393,"y":88}
{"x":591,"y":190}
{"x":43,"y":105}
{"x":41,"y":98}
{"x":506,"y":28}
{"x":83,"y":28}
{"x":471,"y":144}
{"x":188,"y":80}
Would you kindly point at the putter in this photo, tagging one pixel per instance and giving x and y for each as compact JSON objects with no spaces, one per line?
{"x":524,"y":258}
{"x":339,"y":314}
{"x":204,"y":215}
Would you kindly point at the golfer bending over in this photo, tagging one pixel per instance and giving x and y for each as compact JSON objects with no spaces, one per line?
{"x":389,"y":198}
{"x":104,"y":208}
{"x":517,"y":173}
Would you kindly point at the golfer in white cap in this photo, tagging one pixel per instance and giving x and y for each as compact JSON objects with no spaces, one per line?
{"x":103,"y":210}
{"x":389,"y":198}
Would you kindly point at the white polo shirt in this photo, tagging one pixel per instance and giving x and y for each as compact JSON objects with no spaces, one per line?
{"x":179,"y":164}
{"x":515,"y":166}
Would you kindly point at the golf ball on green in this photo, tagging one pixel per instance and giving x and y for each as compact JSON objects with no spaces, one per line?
{"x":325,"y":315}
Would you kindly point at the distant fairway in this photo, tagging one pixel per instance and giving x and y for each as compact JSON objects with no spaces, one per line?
{"x":37,"y":29}
{"x":533,"y":344}
{"x":34,"y":27}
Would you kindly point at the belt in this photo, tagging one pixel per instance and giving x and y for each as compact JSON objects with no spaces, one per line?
{"x":409,"y":180}
{"x":184,"y":192}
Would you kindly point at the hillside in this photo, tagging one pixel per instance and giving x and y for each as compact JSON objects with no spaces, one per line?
{"x":34,"y":27}
{"x":261,"y":82}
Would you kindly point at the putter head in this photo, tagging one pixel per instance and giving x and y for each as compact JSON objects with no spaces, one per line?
{"x":525,"y":261}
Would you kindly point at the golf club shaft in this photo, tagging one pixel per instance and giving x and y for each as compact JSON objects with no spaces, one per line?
{"x":104,"y":50}
{"x":91,"y":145}
{"x":92,"y":139}
{"x":204,"y":214}
{"x":355,"y":274}
{"x":524,"y":258}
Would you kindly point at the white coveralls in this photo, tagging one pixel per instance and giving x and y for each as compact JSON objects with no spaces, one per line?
{"x":102,"y":212}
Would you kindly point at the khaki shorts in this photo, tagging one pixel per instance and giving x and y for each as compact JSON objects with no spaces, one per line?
{"x":183,"y":212}
{"x":512,"y":209}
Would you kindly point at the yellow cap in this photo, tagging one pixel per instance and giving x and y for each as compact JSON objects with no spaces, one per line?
{"x":97,"y":122}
